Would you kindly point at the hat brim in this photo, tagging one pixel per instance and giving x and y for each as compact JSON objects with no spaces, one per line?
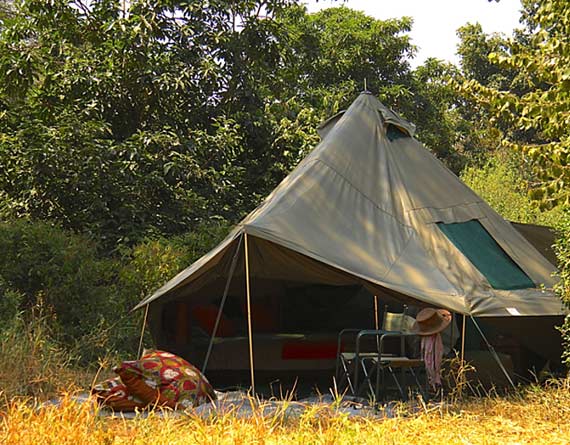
{"x":444,"y":321}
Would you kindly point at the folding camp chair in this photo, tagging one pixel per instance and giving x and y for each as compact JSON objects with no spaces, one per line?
{"x":344,"y":373}
{"x":373,"y":365}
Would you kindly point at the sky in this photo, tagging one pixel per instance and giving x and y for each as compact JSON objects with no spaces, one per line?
{"x":436,"y":21}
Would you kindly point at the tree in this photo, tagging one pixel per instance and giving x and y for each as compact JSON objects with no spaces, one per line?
{"x":535,"y":118}
{"x":541,"y":113}
{"x":116,"y":124}
{"x":125,"y":124}
{"x":338,"y":50}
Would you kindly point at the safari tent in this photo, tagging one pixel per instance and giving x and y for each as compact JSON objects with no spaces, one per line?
{"x":369,"y":212}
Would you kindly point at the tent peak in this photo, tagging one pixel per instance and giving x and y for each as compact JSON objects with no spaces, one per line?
{"x":388,"y":115}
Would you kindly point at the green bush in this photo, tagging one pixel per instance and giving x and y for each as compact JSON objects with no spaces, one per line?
{"x":148,"y":265}
{"x":89,"y":296}
{"x":501,"y":184}
{"x":61,"y":270}
{"x":85,"y":296}
{"x":10,"y":305}
{"x":562,"y":248}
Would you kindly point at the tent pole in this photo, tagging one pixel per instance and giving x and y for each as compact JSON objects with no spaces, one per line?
{"x":139,"y":352}
{"x":376,"y":315}
{"x":376,"y":325}
{"x":494,"y":353}
{"x":463,"y":341}
{"x":249,"y":331}
{"x":222,"y":304}
{"x":451,"y":344}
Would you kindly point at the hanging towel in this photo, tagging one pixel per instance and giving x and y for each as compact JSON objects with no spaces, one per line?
{"x":432,"y":354}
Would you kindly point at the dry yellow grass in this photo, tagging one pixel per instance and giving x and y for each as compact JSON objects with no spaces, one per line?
{"x":536,"y":415}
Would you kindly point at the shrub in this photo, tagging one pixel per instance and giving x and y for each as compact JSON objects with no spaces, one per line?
{"x":562,"y":248}
{"x":88,"y":296}
{"x":500,"y":183}
{"x":148,"y":265}
{"x":10,"y":305}
{"x":64,"y":271}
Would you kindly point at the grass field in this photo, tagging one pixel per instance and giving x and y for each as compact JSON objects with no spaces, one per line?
{"x":533,"y":415}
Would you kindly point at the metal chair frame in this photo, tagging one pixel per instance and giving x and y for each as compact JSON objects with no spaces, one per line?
{"x":349,"y":365}
{"x":379,"y":362}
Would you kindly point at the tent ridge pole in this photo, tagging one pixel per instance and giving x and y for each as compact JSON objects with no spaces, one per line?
{"x":249,"y":330}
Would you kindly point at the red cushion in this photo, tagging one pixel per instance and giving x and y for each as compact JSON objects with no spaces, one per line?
{"x":315,"y":350}
{"x":206,"y":315}
{"x":138,"y":388}
{"x":114,"y":394}
{"x":165,"y":379}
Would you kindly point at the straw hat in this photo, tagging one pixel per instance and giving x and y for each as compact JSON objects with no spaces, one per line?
{"x":430,"y":321}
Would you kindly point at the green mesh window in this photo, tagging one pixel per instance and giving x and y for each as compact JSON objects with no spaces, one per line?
{"x":486,"y":255}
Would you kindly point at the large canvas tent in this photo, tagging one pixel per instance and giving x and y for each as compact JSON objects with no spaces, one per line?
{"x":371,"y":206}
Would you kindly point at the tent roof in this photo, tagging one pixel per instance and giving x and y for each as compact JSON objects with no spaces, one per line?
{"x":368,"y":206}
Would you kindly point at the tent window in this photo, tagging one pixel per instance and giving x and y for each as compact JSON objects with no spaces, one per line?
{"x":393,"y":133}
{"x":486,"y":255}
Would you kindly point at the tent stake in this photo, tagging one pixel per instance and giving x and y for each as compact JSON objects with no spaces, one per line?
{"x":494,"y":353}
{"x":139,"y":352}
{"x":249,"y":331}
{"x":222,"y":304}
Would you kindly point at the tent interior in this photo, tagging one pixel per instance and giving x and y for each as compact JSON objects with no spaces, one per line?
{"x":298,"y":307}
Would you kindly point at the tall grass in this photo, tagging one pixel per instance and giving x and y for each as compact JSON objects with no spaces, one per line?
{"x":32,"y":364}
{"x":535,"y":415}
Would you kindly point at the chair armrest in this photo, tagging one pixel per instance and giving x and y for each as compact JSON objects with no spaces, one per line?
{"x":339,"y":345}
{"x":382,"y":334}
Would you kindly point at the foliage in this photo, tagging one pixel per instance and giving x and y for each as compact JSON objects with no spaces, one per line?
{"x":535,"y":118}
{"x":342,"y":48}
{"x":534,"y":111}
{"x":479,"y":136}
{"x":59,"y":270}
{"x":148,"y":265}
{"x":474,"y":49}
{"x":145,"y":122}
{"x":562,"y":249}
{"x":10,"y":304}
{"x":87,"y":295}
{"x":500,"y":183}
{"x":105,"y":118}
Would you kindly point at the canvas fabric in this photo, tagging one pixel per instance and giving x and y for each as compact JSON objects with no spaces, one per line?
{"x":362,"y":208}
